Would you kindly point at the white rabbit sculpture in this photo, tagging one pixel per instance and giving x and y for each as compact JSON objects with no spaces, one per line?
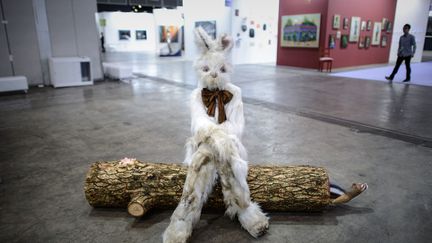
{"x":215,"y":149}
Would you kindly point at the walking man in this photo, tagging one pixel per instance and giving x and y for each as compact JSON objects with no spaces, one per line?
{"x":406,"y":50}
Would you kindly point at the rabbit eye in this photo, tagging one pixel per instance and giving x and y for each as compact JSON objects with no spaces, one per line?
{"x":222,"y":69}
{"x":205,"y":68}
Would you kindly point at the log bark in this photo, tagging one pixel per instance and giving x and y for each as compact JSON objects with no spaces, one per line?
{"x":141,"y":186}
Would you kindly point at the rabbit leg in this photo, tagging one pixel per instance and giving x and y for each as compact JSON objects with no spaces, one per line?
{"x":199,"y":183}
{"x":236,"y":193}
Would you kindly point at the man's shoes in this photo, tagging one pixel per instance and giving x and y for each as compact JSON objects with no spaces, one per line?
{"x":389,"y":78}
{"x":406,"y":80}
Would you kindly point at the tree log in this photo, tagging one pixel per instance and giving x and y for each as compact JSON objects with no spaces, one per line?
{"x":141,"y":186}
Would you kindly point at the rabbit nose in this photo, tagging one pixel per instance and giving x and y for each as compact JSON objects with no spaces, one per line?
{"x":213,"y":74}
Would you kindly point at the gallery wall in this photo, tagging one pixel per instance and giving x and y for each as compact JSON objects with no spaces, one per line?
{"x":301,"y":56}
{"x":371,"y":10}
{"x":416,"y":14}
{"x":119,"y":21}
{"x":261,"y":16}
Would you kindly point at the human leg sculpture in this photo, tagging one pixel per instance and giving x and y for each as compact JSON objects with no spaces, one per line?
{"x":198,"y":185}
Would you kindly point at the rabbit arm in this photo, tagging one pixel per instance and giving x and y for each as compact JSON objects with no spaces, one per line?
{"x":200,"y":119}
{"x":235,"y":119}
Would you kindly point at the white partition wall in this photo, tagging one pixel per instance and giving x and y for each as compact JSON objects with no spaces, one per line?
{"x":133,"y":22}
{"x":204,"y":10}
{"x":262,"y":17}
{"x":416,"y":14}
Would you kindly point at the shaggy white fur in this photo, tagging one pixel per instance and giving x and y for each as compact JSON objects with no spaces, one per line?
{"x":215,"y":149}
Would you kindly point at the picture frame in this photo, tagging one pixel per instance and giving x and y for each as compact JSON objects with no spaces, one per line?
{"x":376,"y":34}
{"x":369,"y":25}
{"x":384,"y":23}
{"x":355,"y":29}
{"x":332,"y":41}
{"x":208,"y":26}
{"x":300,"y":30}
{"x":124,"y":34}
{"x":361,"y":43}
{"x":168,"y":34}
{"x":345,"y":23}
{"x":336,"y":21}
{"x":363,"y":25}
{"x":389,"y":27}
{"x":367,"y":42}
{"x":140,"y":35}
{"x":344,"y":41}
{"x":384,"y":41}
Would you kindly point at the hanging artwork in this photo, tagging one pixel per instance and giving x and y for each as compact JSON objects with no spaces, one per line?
{"x":384,"y":23}
{"x":389,"y":27}
{"x":376,"y":34}
{"x":141,"y":35}
{"x":361,"y":43}
{"x":168,"y":34}
{"x":367,"y":42}
{"x":124,"y":34}
{"x":369,"y":25}
{"x":243,"y":25}
{"x":264,"y":27}
{"x":300,"y":30}
{"x":345,"y":23}
{"x":363,"y":25}
{"x":338,"y":34}
{"x":208,"y":26}
{"x":355,"y":29}
{"x":384,"y":41}
{"x":332,"y":41}
{"x":251,"y":33}
{"x":336,"y":21}
{"x":236,"y":12}
{"x":344,"y":41}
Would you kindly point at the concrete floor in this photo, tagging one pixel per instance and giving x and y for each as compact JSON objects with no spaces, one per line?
{"x":50,"y":137}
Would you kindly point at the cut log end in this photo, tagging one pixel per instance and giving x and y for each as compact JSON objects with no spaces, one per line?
{"x":135,"y":209}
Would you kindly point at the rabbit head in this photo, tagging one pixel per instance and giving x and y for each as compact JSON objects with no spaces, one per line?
{"x":213,"y":67}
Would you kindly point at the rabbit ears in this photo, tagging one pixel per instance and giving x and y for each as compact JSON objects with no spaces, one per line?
{"x":222,"y":44}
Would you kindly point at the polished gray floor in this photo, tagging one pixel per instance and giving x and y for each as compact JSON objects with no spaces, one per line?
{"x":50,"y":137}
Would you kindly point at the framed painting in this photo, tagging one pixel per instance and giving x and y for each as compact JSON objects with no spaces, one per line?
{"x":369,"y":25}
{"x":300,"y":30}
{"x":367,"y":42}
{"x":376,"y":34}
{"x":124,"y":34}
{"x":361,"y":43}
{"x":384,"y":41}
{"x":141,"y":35}
{"x":344,"y":41}
{"x":208,"y":26}
{"x":363,"y":26}
{"x":384,"y":23}
{"x":332,"y":41}
{"x":168,"y":34}
{"x":389,"y":27}
{"x":345,"y":23}
{"x":355,"y":29}
{"x":336,"y":21}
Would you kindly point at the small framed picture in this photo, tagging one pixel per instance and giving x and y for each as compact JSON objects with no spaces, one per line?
{"x":384,"y":41}
{"x":332,"y":41}
{"x":336,"y":21}
{"x":124,"y":34}
{"x":363,"y":25}
{"x":384,"y":23}
{"x":361,"y":42}
{"x":367,"y":42}
{"x":338,"y":34}
{"x":345,"y":23}
{"x":389,"y":27}
{"x":369,"y":25}
{"x":344,"y":41}
{"x":141,"y":35}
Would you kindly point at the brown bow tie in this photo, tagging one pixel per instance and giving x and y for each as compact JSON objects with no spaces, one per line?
{"x":211,"y":97}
